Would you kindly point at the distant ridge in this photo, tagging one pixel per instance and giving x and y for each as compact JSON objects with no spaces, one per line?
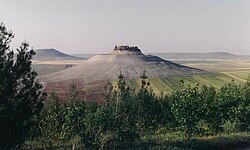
{"x":208,"y":55}
{"x":53,"y":54}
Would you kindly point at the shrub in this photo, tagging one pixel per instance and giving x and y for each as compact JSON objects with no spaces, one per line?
{"x":231,"y":126}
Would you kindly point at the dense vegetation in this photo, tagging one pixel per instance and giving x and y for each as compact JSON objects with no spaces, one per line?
{"x":129,"y":119}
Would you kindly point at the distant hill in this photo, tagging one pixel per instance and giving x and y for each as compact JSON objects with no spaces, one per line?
{"x":209,"y":55}
{"x":53,"y":54}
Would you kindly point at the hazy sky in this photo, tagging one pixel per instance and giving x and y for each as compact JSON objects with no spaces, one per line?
{"x":96,"y":26}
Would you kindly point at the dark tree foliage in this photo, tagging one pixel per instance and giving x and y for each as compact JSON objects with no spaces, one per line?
{"x":234,"y":104}
{"x":246,"y":105}
{"x":188,"y":108}
{"x":20,"y":98}
{"x":166,"y":117}
{"x":149,"y":108}
{"x":125,"y":118}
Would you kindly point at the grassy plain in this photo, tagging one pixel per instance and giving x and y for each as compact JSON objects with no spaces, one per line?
{"x":47,"y":67}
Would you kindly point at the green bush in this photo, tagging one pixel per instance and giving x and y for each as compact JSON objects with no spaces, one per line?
{"x":231,"y":126}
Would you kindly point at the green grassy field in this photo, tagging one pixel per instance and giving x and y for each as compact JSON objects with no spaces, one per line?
{"x":222,"y":72}
{"x":170,"y":84}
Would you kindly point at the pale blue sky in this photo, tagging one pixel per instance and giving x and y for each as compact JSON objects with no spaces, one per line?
{"x":96,"y":26}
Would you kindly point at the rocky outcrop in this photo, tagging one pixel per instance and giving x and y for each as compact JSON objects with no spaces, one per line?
{"x":127,"y":50}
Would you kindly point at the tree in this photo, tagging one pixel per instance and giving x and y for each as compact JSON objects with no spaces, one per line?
{"x":125,"y":115}
{"x":234,"y":104}
{"x":149,"y":107}
{"x":51,"y":122}
{"x":108,"y":92}
{"x":188,"y":109}
{"x":20,"y":95}
{"x":74,"y":115}
{"x":73,"y":94}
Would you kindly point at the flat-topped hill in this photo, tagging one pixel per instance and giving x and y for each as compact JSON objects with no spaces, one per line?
{"x":128,"y":60}
{"x":53,"y":54}
{"x":91,"y":76}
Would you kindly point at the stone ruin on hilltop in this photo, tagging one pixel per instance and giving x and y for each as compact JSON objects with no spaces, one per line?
{"x":127,"y":50}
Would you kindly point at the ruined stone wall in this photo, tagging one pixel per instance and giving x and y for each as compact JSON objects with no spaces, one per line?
{"x":132,"y":50}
